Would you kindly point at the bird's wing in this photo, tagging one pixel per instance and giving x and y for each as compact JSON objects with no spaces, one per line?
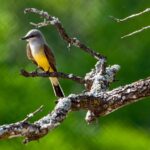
{"x":29,"y":54}
{"x":50,"y":57}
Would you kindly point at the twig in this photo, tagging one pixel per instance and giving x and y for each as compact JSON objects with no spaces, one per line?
{"x":32,"y":114}
{"x":56,"y":22}
{"x":40,"y":24}
{"x":53,"y":74}
{"x":135,"y":32}
{"x":131,"y":16}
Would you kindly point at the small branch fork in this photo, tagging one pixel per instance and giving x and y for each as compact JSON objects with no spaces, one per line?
{"x":97,"y":99}
{"x":51,"y":20}
{"x":147,"y":10}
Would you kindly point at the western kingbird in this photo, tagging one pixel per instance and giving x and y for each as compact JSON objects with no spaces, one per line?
{"x":39,"y":52}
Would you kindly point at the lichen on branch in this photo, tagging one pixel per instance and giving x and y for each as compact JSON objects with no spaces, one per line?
{"x":97,"y":99}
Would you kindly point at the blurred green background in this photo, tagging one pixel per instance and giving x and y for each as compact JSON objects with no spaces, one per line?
{"x":127,"y":128}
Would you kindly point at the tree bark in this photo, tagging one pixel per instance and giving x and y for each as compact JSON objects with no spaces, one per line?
{"x":96,"y":99}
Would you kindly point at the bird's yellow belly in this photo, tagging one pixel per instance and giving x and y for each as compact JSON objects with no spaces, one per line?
{"x":42,"y":61}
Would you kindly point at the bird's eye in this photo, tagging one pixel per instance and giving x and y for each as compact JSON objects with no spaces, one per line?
{"x":34,"y":35}
{"x":31,"y":36}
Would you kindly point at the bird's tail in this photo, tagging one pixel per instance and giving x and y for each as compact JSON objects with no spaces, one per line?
{"x":56,"y":87}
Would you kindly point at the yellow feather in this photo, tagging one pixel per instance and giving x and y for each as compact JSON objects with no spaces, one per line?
{"x":42,"y":61}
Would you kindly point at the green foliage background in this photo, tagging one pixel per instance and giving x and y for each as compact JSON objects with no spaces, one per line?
{"x":127,"y":128}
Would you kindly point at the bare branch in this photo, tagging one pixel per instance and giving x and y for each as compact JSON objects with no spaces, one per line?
{"x":135,"y":32}
{"x":131,"y":16}
{"x":54,"y":74}
{"x":104,"y":103}
{"x":97,"y":99}
{"x":56,"y":22}
{"x":33,"y":113}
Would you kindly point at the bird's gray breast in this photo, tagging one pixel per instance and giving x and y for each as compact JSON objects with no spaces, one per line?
{"x":36,"y":47}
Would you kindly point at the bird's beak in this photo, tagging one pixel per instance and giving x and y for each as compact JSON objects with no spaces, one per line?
{"x":25,"y":37}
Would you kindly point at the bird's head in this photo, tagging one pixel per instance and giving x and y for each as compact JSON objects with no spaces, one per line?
{"x":33,"y":35}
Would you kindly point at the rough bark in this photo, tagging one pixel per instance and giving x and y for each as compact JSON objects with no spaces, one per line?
{"x":96,"y":99}
{"x":102,"y":104}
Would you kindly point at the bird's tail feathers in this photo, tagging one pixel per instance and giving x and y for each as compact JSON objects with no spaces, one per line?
{"x":56,"y":87}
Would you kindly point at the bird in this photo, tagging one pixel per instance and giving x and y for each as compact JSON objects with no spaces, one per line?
{"x":41,"y":54}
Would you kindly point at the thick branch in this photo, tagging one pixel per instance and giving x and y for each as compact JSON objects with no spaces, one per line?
{"x":104,"y":103}
{"x":56,"y":22}
{"x":98,"y":100}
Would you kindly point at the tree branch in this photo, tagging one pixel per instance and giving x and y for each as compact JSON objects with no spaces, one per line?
{"x":135,"y":32}
{"x":33,"y":114}
{"x":51,"y":20}
{"x":131,"y":16}
{"x":97,"y":99}
{"x":104,"y":103}
{"x":54,"y":74}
